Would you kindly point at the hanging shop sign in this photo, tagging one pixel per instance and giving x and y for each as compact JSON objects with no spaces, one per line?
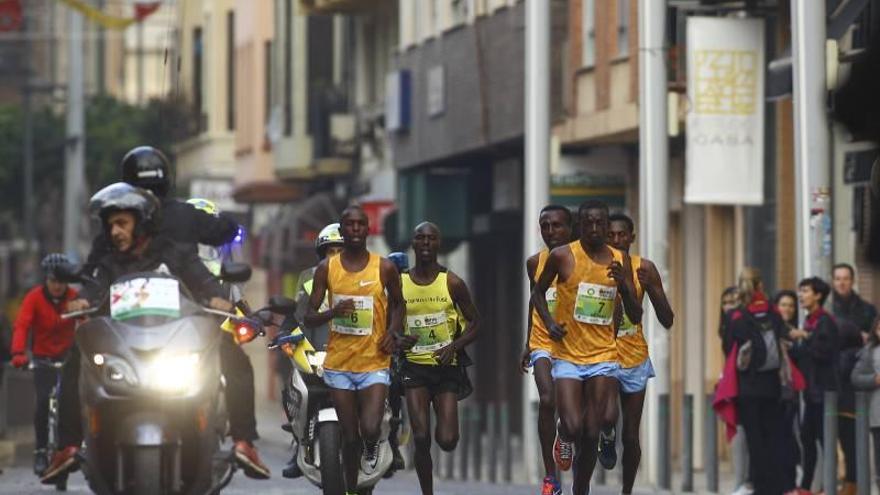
{"x":142,"y":10}
{"x":725,"y":120}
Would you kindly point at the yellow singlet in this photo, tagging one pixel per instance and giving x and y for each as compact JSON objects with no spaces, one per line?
{"x":632,"y":348}
{"x":430,"y":314}
{"x":354,"y":340}
{"x":540,"y":337}
{"x":585,"y":305}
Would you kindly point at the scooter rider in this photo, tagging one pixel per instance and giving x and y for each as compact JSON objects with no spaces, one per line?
{"x":51,"y":337}
{"x":236,"y":368}
{"x":128,"y":217}
{"x":328,"y":243}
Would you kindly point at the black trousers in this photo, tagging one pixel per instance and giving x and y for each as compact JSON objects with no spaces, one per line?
{"x":812,"y":428}
{"x":764,"y":423}
{"x":846,"y":430}
{"x":44,"y":381}
{"x":234,"y":364}
{"x":875,"y":433}
{"x":791,"y":452}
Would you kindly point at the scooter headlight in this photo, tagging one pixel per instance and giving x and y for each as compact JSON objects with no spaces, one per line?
{"x":176,"y":373}
{"x":115,"y":370}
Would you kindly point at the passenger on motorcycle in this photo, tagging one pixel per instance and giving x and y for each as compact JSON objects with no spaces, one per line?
{"x":365,"y":316}
{"x":51,"y":337}
{"x":235,"y":366}
{"x":129,"y":218}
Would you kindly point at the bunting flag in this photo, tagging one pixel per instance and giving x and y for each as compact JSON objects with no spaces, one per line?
{"x":142,"y":10}
{"x":10,"y":15}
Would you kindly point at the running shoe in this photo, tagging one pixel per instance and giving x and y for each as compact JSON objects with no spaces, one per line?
{"x":551,"y":486}
{"x":370,"y":458}
{"x":607,"y":450}
{"x":563,"y":452}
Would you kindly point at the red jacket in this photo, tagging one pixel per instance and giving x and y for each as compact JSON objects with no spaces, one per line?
{"x":52,"y":335}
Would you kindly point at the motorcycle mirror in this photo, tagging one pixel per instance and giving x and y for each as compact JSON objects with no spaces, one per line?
{"x":235,"y":272}
{"x":282,"y":305}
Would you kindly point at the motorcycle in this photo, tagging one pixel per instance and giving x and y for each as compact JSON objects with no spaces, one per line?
{"x":150,"y":386}
{"x":312,"y":419}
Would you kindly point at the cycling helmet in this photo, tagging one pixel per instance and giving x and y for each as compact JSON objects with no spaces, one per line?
{"x":329,"y":236}
{"x":148,"y":168}
{"x":206,"y":205}
{"x":400,"y":260}
{"x":51,"y":263}
{"x":126,"y":197}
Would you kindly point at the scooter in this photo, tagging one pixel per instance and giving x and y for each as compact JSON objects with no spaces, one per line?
{"x":312,"y":419}
{"x":150,"y":387}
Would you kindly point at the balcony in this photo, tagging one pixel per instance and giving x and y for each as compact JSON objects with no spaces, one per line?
{"x":340,"y":6}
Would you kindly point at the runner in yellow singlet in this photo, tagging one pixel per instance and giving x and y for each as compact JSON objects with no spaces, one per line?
{"x":632,"y":348}
{"x":432,"y":376}
{"x":555,"y":222}
{"x":590,"y":279}
{"x":365,"y":315}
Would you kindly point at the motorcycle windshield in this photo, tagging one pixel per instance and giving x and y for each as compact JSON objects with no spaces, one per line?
{"x":186,"y":334}
{"x":150,"y":299}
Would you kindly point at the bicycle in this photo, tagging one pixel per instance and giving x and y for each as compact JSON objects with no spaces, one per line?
{"x":54,"y":408}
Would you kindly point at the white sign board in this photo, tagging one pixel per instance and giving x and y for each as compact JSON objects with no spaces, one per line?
{"x":725,"y":120}
{"x":145,"y":296}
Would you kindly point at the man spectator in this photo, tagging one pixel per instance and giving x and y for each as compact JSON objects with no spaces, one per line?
{"x":846,"y":304}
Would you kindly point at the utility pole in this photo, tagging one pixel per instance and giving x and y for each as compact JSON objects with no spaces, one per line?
{"x":74,"y":156}
{"x":28,"y":137}
{"x":654,"y":221}
{"x":536,"y":177}
{"x":140,"y":62}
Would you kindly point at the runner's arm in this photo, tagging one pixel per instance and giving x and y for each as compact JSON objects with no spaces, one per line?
{"x":531,"y":268}
{"x":655,"y":291}
{"x":461,"y":296}
{"x":396,"y":305}
{"x":622,"y":273}
{"x":313,"y":318}
{"x":539,"y":293}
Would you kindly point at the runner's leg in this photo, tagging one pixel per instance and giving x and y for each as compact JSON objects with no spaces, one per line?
{"x":632,"y":404}
{"x":599,"y":391}
{"x":345,"y":402}
{"x":418,"y":402}
{"x":546,"y":413}
{"x":571,"y":403}
{"x":446,"y":411}
{"x":371,"y":404}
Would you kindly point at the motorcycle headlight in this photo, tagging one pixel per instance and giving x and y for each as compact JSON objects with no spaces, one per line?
{"x":174,"y":373}
{"x":115,"y":370}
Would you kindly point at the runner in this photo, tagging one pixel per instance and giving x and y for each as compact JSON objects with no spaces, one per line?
{"x":632,"y":349}
{"x":364,"y":293}
{"x":432,"y":373}
{"x":555,"y":222}
{"x":590,"y":276}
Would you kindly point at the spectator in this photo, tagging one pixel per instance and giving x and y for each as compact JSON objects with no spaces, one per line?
{"x":847,"y":304}
{"x":851,"y":343}
{"x":758,"y":331}
{"x":815,"y":353}
{"x":786,"y":304}
{"x":866,"y":376}
{"x":741,"y":473}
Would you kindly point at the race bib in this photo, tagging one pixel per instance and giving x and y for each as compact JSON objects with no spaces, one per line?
{"x":551,"y":300}
{"x":595,"y":304}
{"x":432,"y":330}
{"x":626,"y":327}
{"x":145,"y":296}
{"x":359,"y":322}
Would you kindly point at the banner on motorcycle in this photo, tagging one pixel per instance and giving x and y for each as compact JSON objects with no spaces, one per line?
{"x":145,"y":297}
{"x":725,"y":117}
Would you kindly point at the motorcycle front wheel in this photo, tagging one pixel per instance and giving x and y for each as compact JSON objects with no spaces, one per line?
{"x":146,"y":471}
{"x":330,"y":454}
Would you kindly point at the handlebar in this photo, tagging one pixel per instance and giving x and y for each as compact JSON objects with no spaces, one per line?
{"x":77,"y":314}
{"x":45,"y":363}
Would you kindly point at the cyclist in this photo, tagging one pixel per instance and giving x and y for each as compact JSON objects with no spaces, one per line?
{"x":51,"y":338}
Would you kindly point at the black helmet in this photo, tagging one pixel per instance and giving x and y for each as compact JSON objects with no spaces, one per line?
{"x":149,"y":168}
{"x":126,"y":197}
{"x":51,"y":263}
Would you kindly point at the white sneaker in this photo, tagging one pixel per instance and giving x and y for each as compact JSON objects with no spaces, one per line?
{"x":370,"y":458}
{"x":744,"y":489}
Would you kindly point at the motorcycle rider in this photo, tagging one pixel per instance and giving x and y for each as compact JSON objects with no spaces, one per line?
{"x":236,"y":368}
{"x":148,"y":168}
{"x":51,"y":337}
{"x":365,"y":317}
{"x":129,"y":218}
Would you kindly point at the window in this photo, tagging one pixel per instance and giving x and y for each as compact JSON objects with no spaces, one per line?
{"x":622,"y":28}
{"x":589,"y":32}
{"x":288,"y":70}
{"x":198,"y":104}
{"x":230,"y":70}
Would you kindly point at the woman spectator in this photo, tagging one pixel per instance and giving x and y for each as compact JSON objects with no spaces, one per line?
{"x":866,"y":376}
{"x":786,"y":305}
{"x":757,"y":330}
{"x":741,"y":473}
